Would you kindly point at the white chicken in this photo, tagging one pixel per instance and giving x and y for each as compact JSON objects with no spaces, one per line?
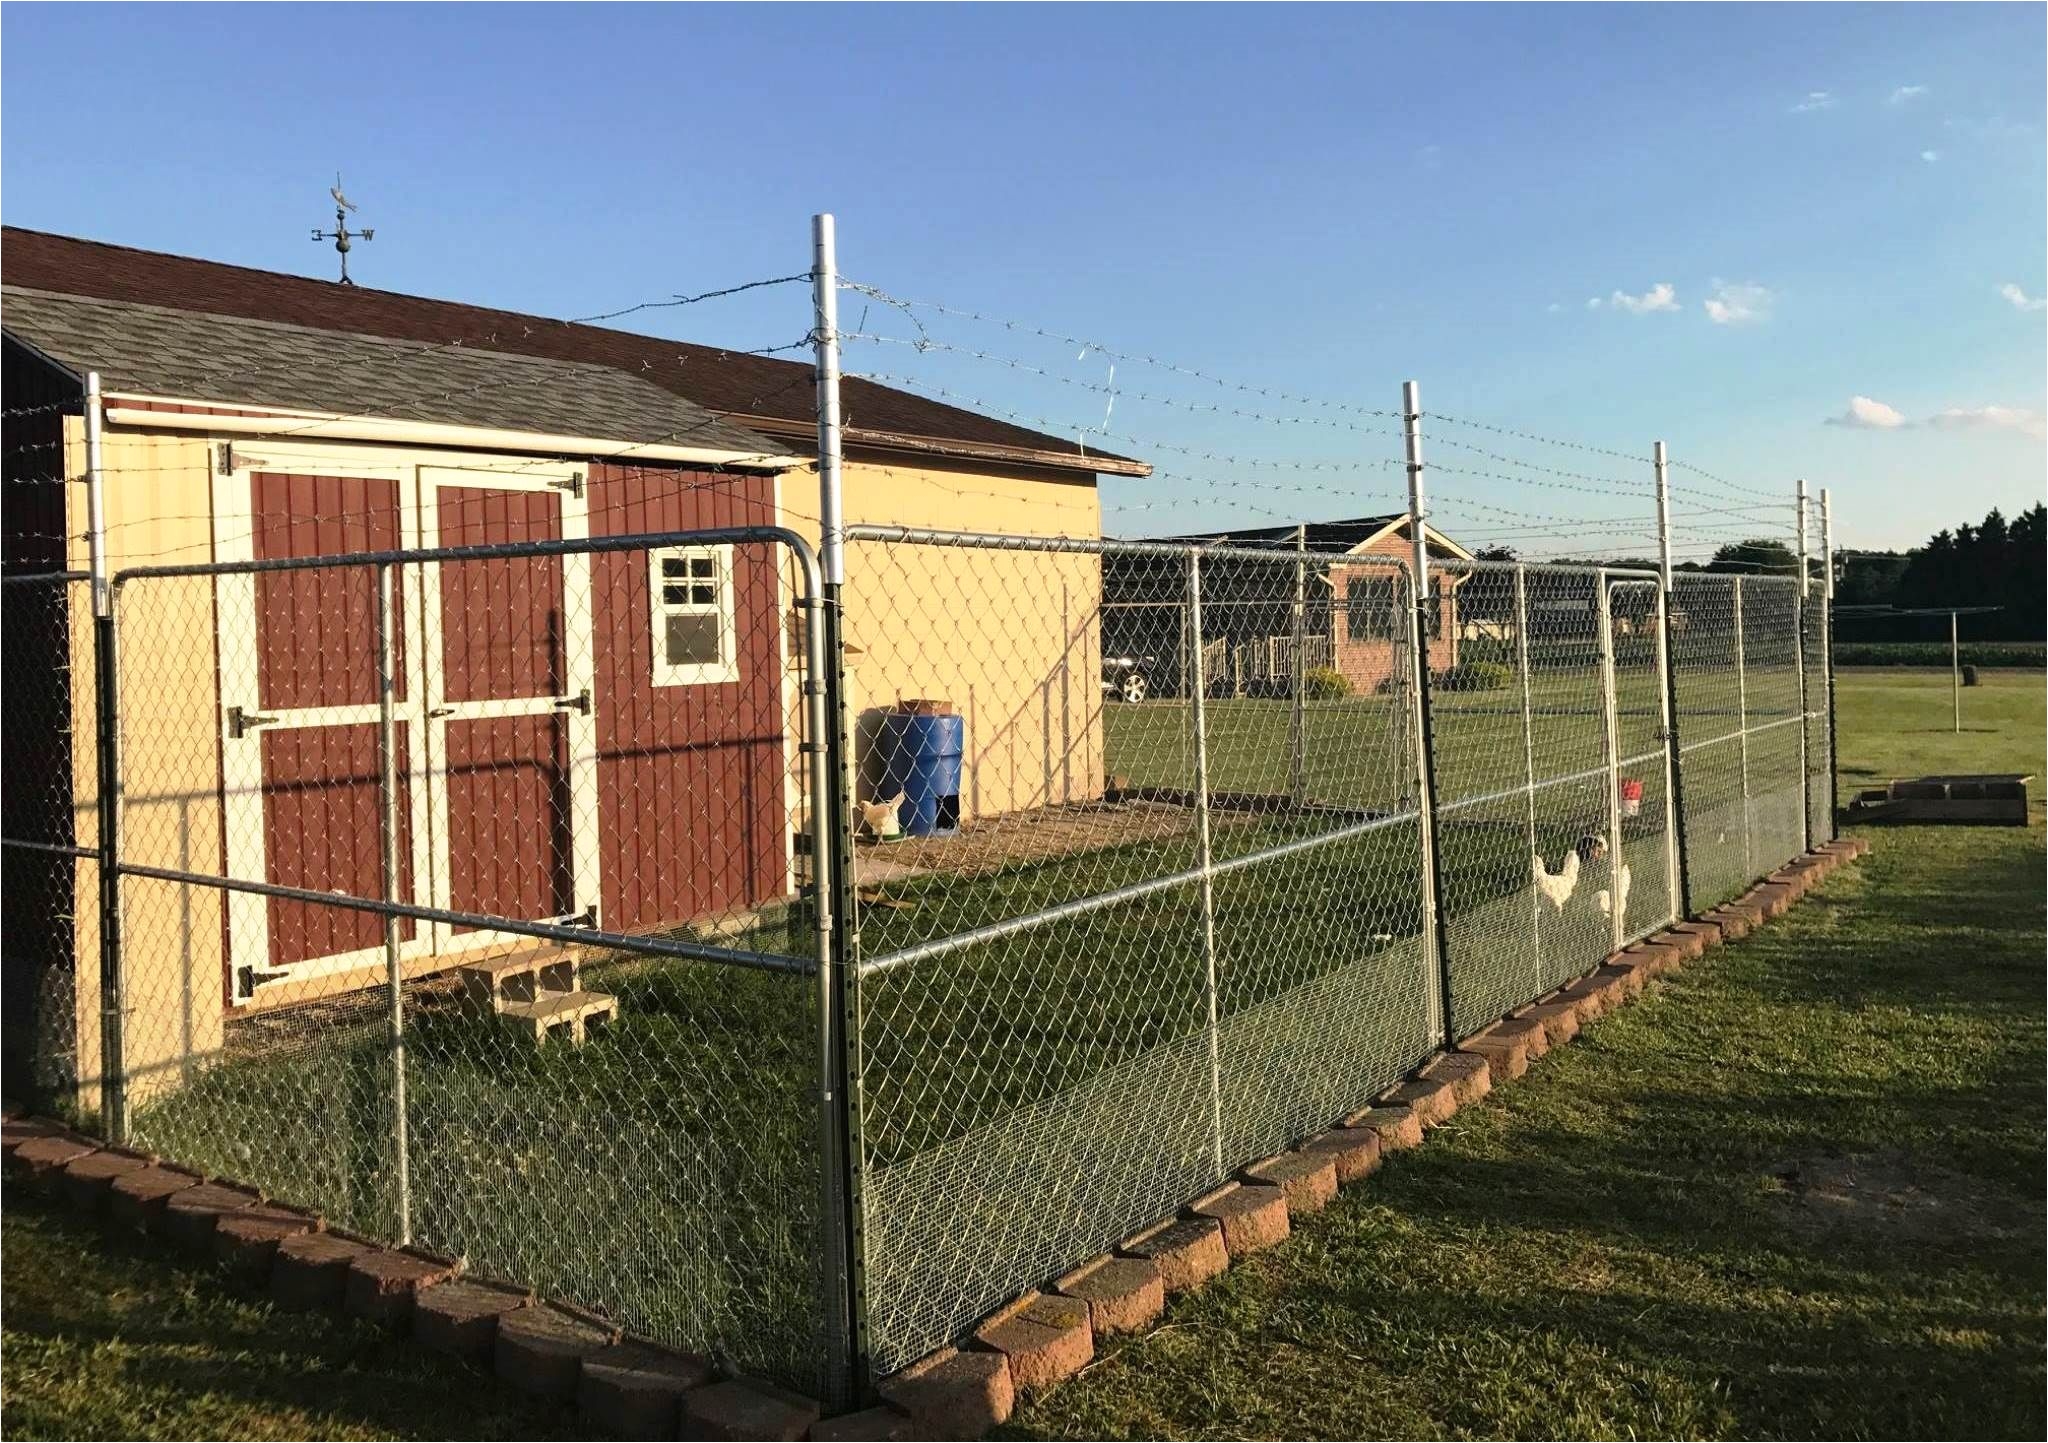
{"x":1557,"y":887}
{"x":1619,"y":899}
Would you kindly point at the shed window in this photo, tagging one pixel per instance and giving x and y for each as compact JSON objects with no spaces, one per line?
{"x":694,"y":642}
{"x":1369,"y":613}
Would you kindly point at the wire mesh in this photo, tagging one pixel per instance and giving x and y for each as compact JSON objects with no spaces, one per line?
{"x":48,"y":870}
{"x":465,"y":896}
{"x":1163,"y":916}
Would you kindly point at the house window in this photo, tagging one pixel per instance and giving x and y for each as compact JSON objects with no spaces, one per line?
{"x":1369,"y":609}
{"x":694,"y":642}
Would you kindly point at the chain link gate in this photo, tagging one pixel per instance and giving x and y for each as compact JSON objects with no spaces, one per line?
{"x":468,"y":898}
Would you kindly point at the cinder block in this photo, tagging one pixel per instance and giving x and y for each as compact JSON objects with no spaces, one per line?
{"x":1308,"y":1179}
{"x":1506,"y":1054}
{"x":1735,"y":920}
{"x":743,"y":1408}
{"x":1187,"y":1251}
{"x":383,"y":1283}
{"x":189,"y":1216}
{"x":1467,"y":1072}
{"x":1707,"y":934}
{"x":86,"y":1180}
{"x":1353,"y":1151}
{"x":42,"y":1160}
{"x":1046,"y":1337}
{"x":1560,"y":1020}
{"x":1124,"y":1295}
{"x":635,"y":1390}
{"x":246,"y":1241}
{"x":17,"y":1130}
{"x":137,"y":1197}
{"x":462,"y":1317}
{"x":1433,"y":1099}
{"x":1658,"y":959}
{"x":1776,"y":898}
{"x":951,"y":1394}
{"x":540,"y":1350}
{"x":310,"y":1271}
{"x":1627,"y":977}
{"x":1253,"y":1215}
{"x":1586,"y":996}
{"x":1398,"y":1127}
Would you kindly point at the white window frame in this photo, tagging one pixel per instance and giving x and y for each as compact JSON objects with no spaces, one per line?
{"x":695,"y":673}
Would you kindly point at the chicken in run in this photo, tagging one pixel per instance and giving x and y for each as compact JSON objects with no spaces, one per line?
{"x":1557,"y":887}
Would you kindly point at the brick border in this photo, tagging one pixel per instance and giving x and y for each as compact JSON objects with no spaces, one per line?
{"x":964,"y":1390}
{"x":631,"y":1388}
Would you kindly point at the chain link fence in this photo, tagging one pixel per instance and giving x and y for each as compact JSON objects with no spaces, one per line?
{"x":502,"y":898}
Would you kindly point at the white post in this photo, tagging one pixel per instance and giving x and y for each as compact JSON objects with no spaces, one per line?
{"x":96,"y":502}
{"x":1955,"y":671}
{"x":1675,"y":859}
{"x":1528,"y":766}
{"x":1418,"y":513}
{"x":1297,"y":742}
{"x":1205,"y":861}
{"x":394,"y":982}
{"x":1827,"y":640}
{"x":1799,"y":652}
{"x":1611,"y":725}
{"x":1742,"y":729}
{"x":825,"y":342}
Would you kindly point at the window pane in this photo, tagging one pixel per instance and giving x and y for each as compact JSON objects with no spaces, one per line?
{"x":671,"y":567}
{"x":693,"y":639}
{"x":673,"y":595}
{"x":704,"y":595}
{"x":702,"y":566}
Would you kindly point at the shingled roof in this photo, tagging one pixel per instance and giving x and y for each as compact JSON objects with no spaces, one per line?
{"x":766,"y":394}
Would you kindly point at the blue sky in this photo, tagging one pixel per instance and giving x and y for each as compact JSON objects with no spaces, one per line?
{"x":1323,"y":201}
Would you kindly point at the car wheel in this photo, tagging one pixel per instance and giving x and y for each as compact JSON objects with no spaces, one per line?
{"x":1134,"y":686}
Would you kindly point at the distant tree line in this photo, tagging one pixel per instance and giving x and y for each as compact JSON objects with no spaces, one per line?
{"x":1997,"y":563}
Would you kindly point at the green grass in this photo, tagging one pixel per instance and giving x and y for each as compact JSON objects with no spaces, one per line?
{"x":1635,"y":1240}
{"x":108,"y":1338}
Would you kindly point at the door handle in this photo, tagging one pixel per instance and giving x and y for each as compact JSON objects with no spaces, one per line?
{"x":241,"y":723}
{"x":436,"y":713}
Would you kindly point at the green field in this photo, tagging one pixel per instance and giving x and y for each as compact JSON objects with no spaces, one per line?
{"x":683,"y":1143}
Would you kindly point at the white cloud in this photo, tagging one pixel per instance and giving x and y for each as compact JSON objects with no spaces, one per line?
{"x":1593,"y":303}
{"x":1990,"y":418}
{"x":1865,"y":414}
{"x":1738,"y":303}
{"x":1815,"y":100}
{"x":1660,"y":297}
{"x":1930,"y":156}
{"x":1905,"y":93}
{"x":2020,"y":300}
{"x":1553,"y":308}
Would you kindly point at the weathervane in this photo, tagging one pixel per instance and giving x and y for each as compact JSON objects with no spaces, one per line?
{"x":341,"y":235}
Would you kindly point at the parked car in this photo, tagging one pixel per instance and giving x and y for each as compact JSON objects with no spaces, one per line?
{"x":1129,"y":678}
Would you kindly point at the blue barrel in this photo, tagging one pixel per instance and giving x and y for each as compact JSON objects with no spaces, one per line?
{"x":921,"y":758}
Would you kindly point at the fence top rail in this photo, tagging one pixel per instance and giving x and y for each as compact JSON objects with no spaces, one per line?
{"x":580,"y":546}
{"x":46,"y":577}
{"x":1551,"y":568}
{"x":1108,"y":546}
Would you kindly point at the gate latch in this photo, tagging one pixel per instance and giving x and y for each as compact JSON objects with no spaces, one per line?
{"x":241,"y":723}
{"x":579,"y":702}
{"x":586,"y":918}
{"x":572,"y":483}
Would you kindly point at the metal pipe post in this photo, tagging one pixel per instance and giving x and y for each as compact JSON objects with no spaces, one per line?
{"x":1742,"y":730}
{"x":1205,"y":861}
{"x":394,"y":980}
{"x":1955,"y":672}
{"x":842,"y":1261}
{"x":107,"y":740}
{"x":1674,"y":772}
{"x":1799,"y":657}
{"x":1827,"y":620}
{"x":1442,"y":1016}
{"x":1297,"y":738}
{"x":1611,"y":728}
{"x":1528,"y":767}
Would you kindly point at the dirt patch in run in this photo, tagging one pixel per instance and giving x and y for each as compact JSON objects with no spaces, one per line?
{"x":1885,"y":1191}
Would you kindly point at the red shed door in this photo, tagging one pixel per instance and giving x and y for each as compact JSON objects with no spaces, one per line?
{"x":302,"y":770}
{"x":511,"y":732}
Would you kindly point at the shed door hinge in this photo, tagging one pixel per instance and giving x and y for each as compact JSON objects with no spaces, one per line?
{"x":572,"y":483}
{"x":224,"y":458}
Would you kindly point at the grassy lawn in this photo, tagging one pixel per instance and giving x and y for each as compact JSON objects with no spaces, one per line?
{"x":1797,"y":1194}
{"x":1634,"y":1239}
{"x":107,"y":1338}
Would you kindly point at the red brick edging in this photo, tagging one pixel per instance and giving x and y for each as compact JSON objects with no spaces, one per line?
{"x":629,"y":1388}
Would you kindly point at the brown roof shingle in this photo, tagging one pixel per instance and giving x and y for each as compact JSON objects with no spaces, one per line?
{"x":766,"y":393}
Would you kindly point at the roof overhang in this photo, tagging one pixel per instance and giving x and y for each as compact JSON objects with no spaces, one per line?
{"x":1077,"y":461}
{"x":280,"y":423}
{"x":1430,"y":535}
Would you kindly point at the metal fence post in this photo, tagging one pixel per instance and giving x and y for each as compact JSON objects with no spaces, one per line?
{"x":1611,"y":727}
{"x":844,"y":1293}
{"x":1205,"y":860}
{"x":1827,"y":640}
{"x":1742,"y":732}
{"x":1799,"y":656}
{"x":1529,"y":763}
{"x":1674,"y":765}
{"x":107,"y":725}
{"x":1441,"y":1010}
{"x":1297,"y":737}
{"x":394,"y":981}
